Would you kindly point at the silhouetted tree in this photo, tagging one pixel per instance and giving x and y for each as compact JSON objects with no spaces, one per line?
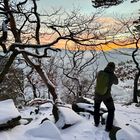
{"x":136,"y":31}
{"x":108,"y":3}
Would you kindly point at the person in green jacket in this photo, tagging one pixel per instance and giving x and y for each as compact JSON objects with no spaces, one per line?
{"x":106,"y":98}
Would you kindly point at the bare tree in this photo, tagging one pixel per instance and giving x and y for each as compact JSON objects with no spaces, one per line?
{"x":132,"y":37}
{"x":25,"y":27}
{"x":136,"y":34}
{"x":78,"y":72}
{"x":137,"y":75}
{"x":18,"y":47}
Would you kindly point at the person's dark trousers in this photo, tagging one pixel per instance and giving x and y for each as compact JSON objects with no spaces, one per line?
{"x":96,"y":113}
{"x":111,"y":109}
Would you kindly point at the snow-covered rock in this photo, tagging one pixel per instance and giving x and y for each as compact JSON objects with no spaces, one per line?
{"x":46,"y":130}
{"x":9,"y":115}
{"x":67,"y":117}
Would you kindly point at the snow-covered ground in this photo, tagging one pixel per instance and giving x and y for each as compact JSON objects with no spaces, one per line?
{"x":126,"y":117}
{"x":31,"y":128}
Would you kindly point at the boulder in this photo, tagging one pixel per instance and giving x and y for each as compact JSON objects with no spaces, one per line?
{"x":47,"y":130}
{"x":9,"y":115}
{"x":65,"y":116}
{"x":85,"y":108}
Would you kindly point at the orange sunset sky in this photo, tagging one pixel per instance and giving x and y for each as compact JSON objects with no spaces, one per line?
{"x":86,"y":7}
{"x":126,"y":9}
{"x":63,"y":44}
